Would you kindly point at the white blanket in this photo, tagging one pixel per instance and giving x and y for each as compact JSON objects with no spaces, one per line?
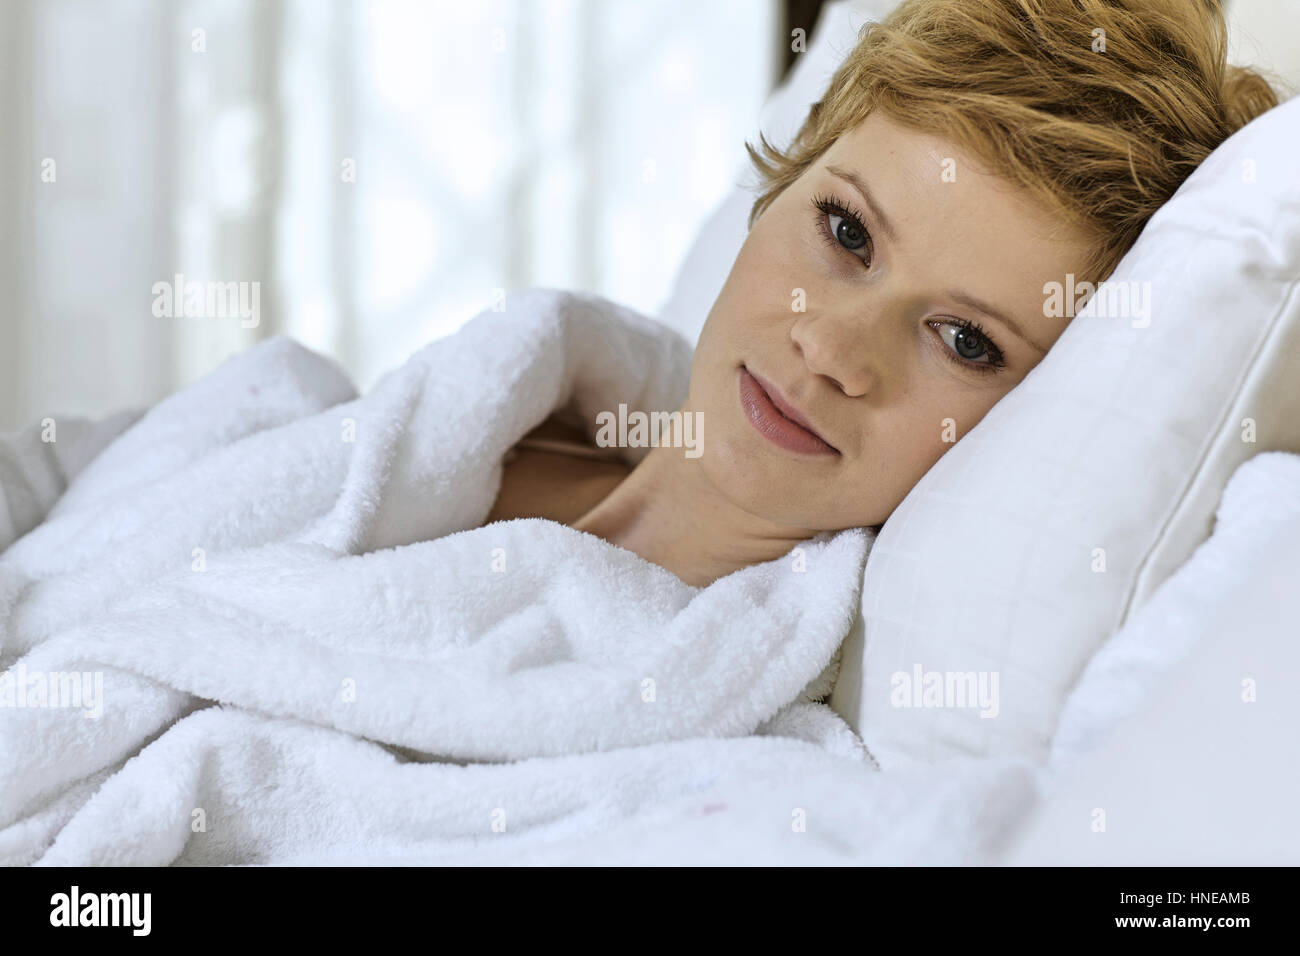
{"x":312,"y":562}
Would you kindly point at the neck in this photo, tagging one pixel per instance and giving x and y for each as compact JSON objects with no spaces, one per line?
{"x":669,"y":513}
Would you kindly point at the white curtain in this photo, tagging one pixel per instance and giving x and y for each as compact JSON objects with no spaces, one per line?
{"x":381,"y":170}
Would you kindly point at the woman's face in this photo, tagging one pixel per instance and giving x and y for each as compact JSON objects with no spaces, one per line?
{"x":851,"y":317}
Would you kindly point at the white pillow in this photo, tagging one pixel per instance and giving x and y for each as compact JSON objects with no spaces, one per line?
{"x":1201,"y":776}
{"x":1116,"y":448}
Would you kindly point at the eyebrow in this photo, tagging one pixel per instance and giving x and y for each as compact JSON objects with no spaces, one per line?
{"x":1002,"y":317}
{"x":858,"y":183}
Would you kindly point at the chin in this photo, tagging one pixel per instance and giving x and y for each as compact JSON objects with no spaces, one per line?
{"x":757,"y":485}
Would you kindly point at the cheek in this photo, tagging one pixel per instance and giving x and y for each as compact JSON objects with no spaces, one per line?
{"x":918,"y":437}
{"x":933,"y":426}
{"x":771,"y":264}
{"x":714,"y":355}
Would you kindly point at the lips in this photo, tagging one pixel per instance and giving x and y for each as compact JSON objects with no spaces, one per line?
{"x":777,"y":420}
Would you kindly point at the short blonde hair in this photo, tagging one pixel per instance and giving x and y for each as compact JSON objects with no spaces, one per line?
{"x":1101,"y":108}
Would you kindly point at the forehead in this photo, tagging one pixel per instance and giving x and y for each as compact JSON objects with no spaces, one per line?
{"x":958,"y":226}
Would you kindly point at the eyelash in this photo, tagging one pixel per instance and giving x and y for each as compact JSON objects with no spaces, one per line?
{"x":831,"y":206}
{"x":997,"y":360}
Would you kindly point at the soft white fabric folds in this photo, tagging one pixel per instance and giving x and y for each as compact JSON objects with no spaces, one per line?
{"x":313,"y":562}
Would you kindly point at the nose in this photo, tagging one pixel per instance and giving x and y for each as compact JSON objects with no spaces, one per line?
{"x":833,"y":346}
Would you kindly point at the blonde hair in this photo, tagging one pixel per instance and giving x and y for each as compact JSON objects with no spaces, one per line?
{"x":1101,"y":108}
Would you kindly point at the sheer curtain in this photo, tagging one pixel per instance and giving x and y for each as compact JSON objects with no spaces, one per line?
{"x":379,"y":170}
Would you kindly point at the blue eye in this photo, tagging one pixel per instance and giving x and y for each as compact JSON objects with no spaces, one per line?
{"x":841,"y":227}
{"x":969,"y":345}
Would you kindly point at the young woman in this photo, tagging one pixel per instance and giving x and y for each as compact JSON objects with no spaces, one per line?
{"x":890,"y":289}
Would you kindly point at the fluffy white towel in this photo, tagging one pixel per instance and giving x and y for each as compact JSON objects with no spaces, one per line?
{"x":313,"y":562}
{"x":37,"y":463}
